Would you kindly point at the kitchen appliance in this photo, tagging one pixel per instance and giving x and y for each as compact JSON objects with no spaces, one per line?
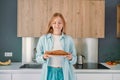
{"x":90,"y":66}
{"x":80,"y":59}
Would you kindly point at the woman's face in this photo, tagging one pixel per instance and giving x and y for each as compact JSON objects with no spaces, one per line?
{"x":57,"y":25}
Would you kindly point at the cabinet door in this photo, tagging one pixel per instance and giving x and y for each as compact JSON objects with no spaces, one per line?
{"x":84,"y":18}
{"x":116,"y":76}
{"x":91,"y":22}
{"x":5,"y":76}
{"x":32,"y":17}
{"x":118,"y":21}
{"x":26,"y":77}
{"x":94,"y":76}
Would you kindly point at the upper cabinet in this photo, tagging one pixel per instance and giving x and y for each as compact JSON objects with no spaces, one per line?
{"x":84,"y":18}
{"x":118,"y":21}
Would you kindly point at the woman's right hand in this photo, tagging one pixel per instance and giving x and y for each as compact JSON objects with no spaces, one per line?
{"x":46,"y":56}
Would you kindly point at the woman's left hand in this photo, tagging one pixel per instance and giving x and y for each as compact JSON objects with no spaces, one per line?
{"x":69,"y":56}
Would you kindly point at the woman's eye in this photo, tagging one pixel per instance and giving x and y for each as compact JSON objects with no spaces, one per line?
{"x":59,"y":23}
{"x":54,"y":23}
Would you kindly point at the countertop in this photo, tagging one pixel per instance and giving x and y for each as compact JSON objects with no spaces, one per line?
{"x":14,"y":68}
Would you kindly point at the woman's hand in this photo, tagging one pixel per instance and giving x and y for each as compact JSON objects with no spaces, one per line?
{"x":69,"y":56}
{"x":46,"y":56}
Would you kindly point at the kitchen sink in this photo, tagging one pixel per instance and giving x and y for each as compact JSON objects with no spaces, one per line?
{"x":36,"y":66}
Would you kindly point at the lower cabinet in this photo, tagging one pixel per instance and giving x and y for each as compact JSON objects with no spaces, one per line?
{"x":93,"y":76}
{"x":5,"y":76}
{"x":116,"y":76}
{"x":25,"y":76}
{"x":80,"y":76}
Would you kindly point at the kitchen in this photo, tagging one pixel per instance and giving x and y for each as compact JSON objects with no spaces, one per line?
{"x":108,"y":47}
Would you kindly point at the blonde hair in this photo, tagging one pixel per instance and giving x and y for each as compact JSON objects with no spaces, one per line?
{"x":50,"y":29}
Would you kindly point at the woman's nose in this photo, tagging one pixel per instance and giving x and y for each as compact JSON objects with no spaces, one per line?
{"x":57,"y":24}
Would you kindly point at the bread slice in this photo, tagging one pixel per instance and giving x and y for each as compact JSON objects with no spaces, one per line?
{"x":58,"y":52}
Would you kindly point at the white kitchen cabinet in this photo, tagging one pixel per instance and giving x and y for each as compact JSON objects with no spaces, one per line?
{"x":116,"y":76}
{"x":25,"y":76}
{"x":5,"y":76}
{"x":91,"y":76}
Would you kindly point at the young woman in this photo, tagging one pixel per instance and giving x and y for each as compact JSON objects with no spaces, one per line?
{"x":56,"y":67}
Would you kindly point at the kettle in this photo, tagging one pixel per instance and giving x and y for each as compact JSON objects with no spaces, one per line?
{"x":80,"y":59}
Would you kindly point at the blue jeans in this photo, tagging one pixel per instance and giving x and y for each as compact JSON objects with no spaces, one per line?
{"x":55,"y":73}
